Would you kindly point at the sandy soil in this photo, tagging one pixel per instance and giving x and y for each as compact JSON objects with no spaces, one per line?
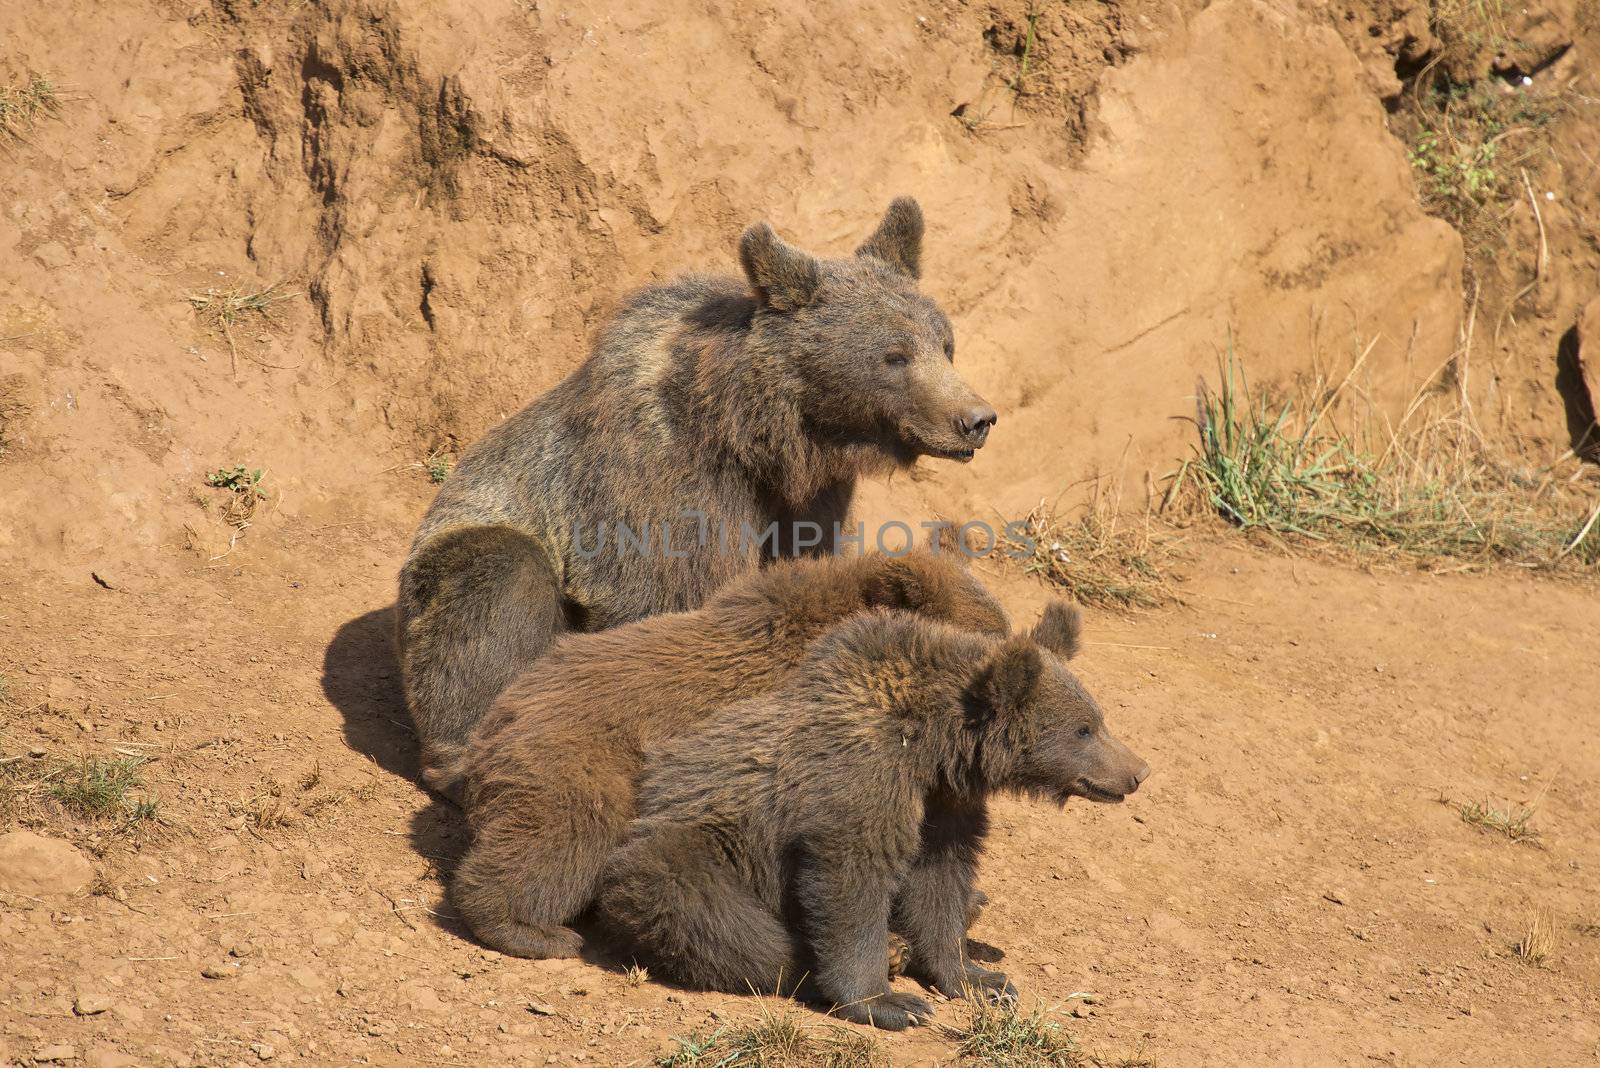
{"x":454,"y":193}
{"x":1288,"y":888}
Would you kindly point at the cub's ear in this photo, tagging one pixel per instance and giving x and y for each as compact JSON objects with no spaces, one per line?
{"x":898,"y":239}
{"x":896,"y":583}
{"x":1060,"y":629}
{"x":783,"y":277}
{"x":1007,"y":677}
{"x":945,"y":540}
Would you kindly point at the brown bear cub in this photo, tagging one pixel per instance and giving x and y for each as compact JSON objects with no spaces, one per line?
{"x":719,"y":422}
{"x":777,"y":847}
{"x":548,"y":779}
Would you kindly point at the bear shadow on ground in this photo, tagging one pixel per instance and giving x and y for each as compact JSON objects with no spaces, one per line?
{"x":361,"y":678}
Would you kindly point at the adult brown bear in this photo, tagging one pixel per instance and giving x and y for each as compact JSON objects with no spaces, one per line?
{"x":714,"y":423}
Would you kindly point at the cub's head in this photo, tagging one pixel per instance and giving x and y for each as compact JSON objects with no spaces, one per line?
{"x":1044,"y":734}
{"x":934,"y":584}
{"x":874,"y":356}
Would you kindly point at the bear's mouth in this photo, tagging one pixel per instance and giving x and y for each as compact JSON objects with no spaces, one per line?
{"x":1098,"y":794}
{"x":922,"y":446}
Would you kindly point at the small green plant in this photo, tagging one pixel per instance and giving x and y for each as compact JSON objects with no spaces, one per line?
{"x":239,"y":479}
{"x":777,"y":1040}
{"x":1515,"y":824}
{"x":99,"y":786}
{"x":438,"y":469}
{"x":247,"y":493}
{"x":636,"y":975}
{"x":24,"y":106}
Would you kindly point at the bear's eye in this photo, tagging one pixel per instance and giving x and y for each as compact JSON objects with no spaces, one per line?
{"x":897,"y":359}
{"x":1084,"y":732}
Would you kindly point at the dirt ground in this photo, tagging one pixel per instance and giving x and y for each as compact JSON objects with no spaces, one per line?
{"x":1288,"y":888}
{"x":452,"y":194}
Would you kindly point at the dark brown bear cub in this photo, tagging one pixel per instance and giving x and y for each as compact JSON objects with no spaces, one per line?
{"x":776,"y":847}
{"x":710,"y":407}
{"x":548,"y":778}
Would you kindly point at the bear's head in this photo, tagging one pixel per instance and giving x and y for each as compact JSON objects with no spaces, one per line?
{"x":872,"y":355}
{"x":1045,"y":735}
{"x":934,"y":584}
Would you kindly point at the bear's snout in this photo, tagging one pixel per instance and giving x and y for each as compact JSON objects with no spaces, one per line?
{"x":974,"y":424}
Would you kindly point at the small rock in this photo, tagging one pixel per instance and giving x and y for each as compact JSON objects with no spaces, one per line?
{"x":218,"y":971}
{"x":60,"y":1051}
{"x":107,"y":1057}
{"x":1050,"y":970}
{"x":1338,"y":895}
{"x":38,"y":866}
{"x":241,"y":949}
{"x":37,"y":750}
{"x":265,"y":1050}
{"x":88,"y":1003}
{"x":539,"y":1008}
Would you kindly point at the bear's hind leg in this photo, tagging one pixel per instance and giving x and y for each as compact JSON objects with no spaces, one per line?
{"x":536,"y":860}
{"x":477,"y":605}
{"x":692,"y":917}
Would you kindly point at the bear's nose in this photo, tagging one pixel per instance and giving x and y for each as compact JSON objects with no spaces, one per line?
{"x":975,"y":423}
{"x":1138,"y":777}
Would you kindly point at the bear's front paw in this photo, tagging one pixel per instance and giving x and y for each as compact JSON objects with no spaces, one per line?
{"x":990,"y":985}
{"x":891,"y":1012}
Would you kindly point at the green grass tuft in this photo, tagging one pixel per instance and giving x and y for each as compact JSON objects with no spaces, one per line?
{"x":99,"y":787}
{"x":24,"y":106}
{"x":1515,"y":824}
{"x":777,"y":1040}
{"x":1432,"y":491}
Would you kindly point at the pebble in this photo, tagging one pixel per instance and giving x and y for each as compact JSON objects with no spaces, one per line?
{"x":1338,"y":895}
{"x":264,"y":1050}
{"x":54,"y":1053}
{"x":218,"y":971}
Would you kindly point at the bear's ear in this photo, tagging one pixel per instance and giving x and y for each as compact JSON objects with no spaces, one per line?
{"x":1008,"y":676}
{"x":1060,"y":629}
{"x":895,"y":583}
{"x":898,"y":239}
{"x":783,"y":277}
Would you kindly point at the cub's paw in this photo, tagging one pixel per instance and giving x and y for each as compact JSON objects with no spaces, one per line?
{"x":899,"y":954}
{"x":975,"y":983}
{"x":988,"y":985}
{"x":890,"y":1012}
{"x":534,"y":941}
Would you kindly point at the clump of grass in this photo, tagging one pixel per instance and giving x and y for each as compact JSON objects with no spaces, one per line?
{"x":1514,"y":823}
{"x":245,"y":486}
{"x":223,"y":308}
{"x":777,"y":1040}
{"x":1100,"y":557}
{"x":1537,"y":940}
{"x":636,"y":975}
{"x":24,"y":106}
{"x":1428,"y":489}
{"x":1000,"y":1034}
{"x":98,"y":787}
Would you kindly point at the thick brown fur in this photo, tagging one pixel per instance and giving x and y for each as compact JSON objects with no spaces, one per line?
{"x":777,"y":847}
{"x":710,"y":406}
{"x":548,"y":778}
